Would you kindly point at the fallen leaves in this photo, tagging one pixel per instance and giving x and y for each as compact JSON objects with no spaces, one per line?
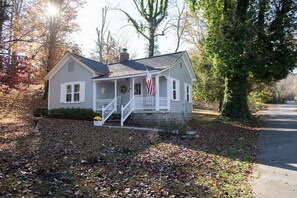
{"x":74,"y":158}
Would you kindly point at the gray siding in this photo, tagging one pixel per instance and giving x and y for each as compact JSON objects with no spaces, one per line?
{"x":180,"y":73}
{"x":163,"y":86}
{"x":63,"y":76}
{"x":105,"y":90}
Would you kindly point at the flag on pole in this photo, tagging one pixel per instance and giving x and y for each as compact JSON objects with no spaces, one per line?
{"x":150,"y":87}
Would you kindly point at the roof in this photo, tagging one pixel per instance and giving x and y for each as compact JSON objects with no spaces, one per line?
{"x":138,"y":66}
{"x":94,"y":65}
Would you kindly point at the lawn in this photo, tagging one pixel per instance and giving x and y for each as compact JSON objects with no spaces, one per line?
{"x":74,"y":158}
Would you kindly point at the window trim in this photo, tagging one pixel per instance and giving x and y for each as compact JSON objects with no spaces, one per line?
{"x":177,"y":89}
{"x":72,"y":86}
{"x":190,"y":93}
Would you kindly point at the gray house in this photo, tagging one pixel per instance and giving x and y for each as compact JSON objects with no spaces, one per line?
{"x":120,"y":88}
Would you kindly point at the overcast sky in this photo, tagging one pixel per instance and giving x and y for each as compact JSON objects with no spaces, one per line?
{"x":90,"y":17}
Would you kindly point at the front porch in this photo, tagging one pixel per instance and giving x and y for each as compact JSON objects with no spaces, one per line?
{"x":127,"y":95}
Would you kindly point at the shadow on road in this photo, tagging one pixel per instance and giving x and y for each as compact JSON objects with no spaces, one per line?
{"x":277,"y":143}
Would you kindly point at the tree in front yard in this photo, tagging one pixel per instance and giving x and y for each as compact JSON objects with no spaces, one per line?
{"x":248,"y":40}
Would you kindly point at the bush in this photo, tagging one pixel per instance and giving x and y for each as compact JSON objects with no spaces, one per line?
{"x":72,"y":113}
{"x":38,"y":112}
{"x":169,"y":128}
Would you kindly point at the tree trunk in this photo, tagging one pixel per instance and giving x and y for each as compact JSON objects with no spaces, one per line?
{"x":151,"y":42}
{"x":235,"y":101}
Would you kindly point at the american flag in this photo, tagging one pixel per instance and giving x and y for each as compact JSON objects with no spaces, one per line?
{"x":150,"y":87}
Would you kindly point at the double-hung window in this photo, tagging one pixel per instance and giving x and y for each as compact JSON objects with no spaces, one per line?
{"x":175,"y":89}
{"x":188,"y":93}
{"x":72,"y":92}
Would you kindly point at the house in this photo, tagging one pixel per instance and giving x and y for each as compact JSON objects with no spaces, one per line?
{"x":120,"y":88}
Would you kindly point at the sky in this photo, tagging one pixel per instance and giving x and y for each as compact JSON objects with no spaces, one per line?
{"x":89,"y":18}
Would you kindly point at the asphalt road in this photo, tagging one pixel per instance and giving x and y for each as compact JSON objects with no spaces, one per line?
{"x":277,"y":153}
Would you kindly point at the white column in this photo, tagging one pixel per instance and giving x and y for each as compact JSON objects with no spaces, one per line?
{"x":115,"y":93}
{"x":157,"y":93}
{"x":94,"y":95}
{"x":133,"y":82}
{"x":168,"y":92}
{"x":115,"y":88}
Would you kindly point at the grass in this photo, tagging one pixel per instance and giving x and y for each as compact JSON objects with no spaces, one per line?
{"x":74,"y":158}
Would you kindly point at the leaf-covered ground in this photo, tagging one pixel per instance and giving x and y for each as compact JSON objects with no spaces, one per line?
{"x":73,"y":158}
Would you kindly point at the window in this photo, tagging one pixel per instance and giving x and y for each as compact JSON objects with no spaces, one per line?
{"x":175,"y":89}
{"x":188,"y":93}
{"x":72,"y":92}
{"x":76,"y":93}
{"x":137,"y":89}
{"x":68,"y":93}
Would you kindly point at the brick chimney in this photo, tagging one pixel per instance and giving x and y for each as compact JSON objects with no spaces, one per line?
{"x":124,"y":55}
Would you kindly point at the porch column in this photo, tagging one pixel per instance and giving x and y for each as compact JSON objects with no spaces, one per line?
{"x":157,"y":93}
{"x":115,"y":93}
{"x":133,"y":81}
{"x":94,"y":95}
{"x":169,"y":92}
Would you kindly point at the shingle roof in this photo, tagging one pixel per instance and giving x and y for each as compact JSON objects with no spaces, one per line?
{"x":94,"y":65}
{"x":133,"y":67}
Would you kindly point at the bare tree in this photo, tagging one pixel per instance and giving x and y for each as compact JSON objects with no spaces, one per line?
{"x":194,"y":29}
{"x":179,"y":22}
{"x":101,"y":33}
{"x":153,"y":12}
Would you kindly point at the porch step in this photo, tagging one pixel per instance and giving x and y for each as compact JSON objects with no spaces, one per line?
{"x":114,"y":120}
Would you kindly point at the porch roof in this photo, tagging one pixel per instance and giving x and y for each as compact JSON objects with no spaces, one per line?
{"x":154,"y":64}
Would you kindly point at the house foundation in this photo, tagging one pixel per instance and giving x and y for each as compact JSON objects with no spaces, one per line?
{"x":156,"y":118}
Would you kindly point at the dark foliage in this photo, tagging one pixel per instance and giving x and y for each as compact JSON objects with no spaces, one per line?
{"x":72,"y":113}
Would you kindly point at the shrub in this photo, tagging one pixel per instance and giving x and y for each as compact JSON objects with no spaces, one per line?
{"x":38,"y":112}
{"x":169,"y":128}
{"x":72,"y":113}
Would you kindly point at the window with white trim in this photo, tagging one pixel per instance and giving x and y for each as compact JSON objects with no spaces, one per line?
{"x":188,"y":93}
{"x":73,"y":92}
{"x":175,"y":89}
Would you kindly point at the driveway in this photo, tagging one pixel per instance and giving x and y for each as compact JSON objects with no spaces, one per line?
{"x":277,"y":153}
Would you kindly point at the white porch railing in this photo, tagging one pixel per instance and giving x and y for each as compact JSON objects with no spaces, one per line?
{"x":108,"y":110}
{"x":163,"y":103}
{"x":127,"y":110}
{"x":149,"y":103}
{"x":137,"y":103}
{"x":145,"y":103}
{"x":102,"y":103}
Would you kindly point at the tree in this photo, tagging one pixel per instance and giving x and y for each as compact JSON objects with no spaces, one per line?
{"x":153,"y":12}
{"x":52,"y":29}
{"x":248,"y":40}
{"x":14,"y":72}
{"x":195,"y":29}
{"x":209,"y":85}
{"x":15,"y":69}
{"x":101,"y":34}
{"x":179,"y":23}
